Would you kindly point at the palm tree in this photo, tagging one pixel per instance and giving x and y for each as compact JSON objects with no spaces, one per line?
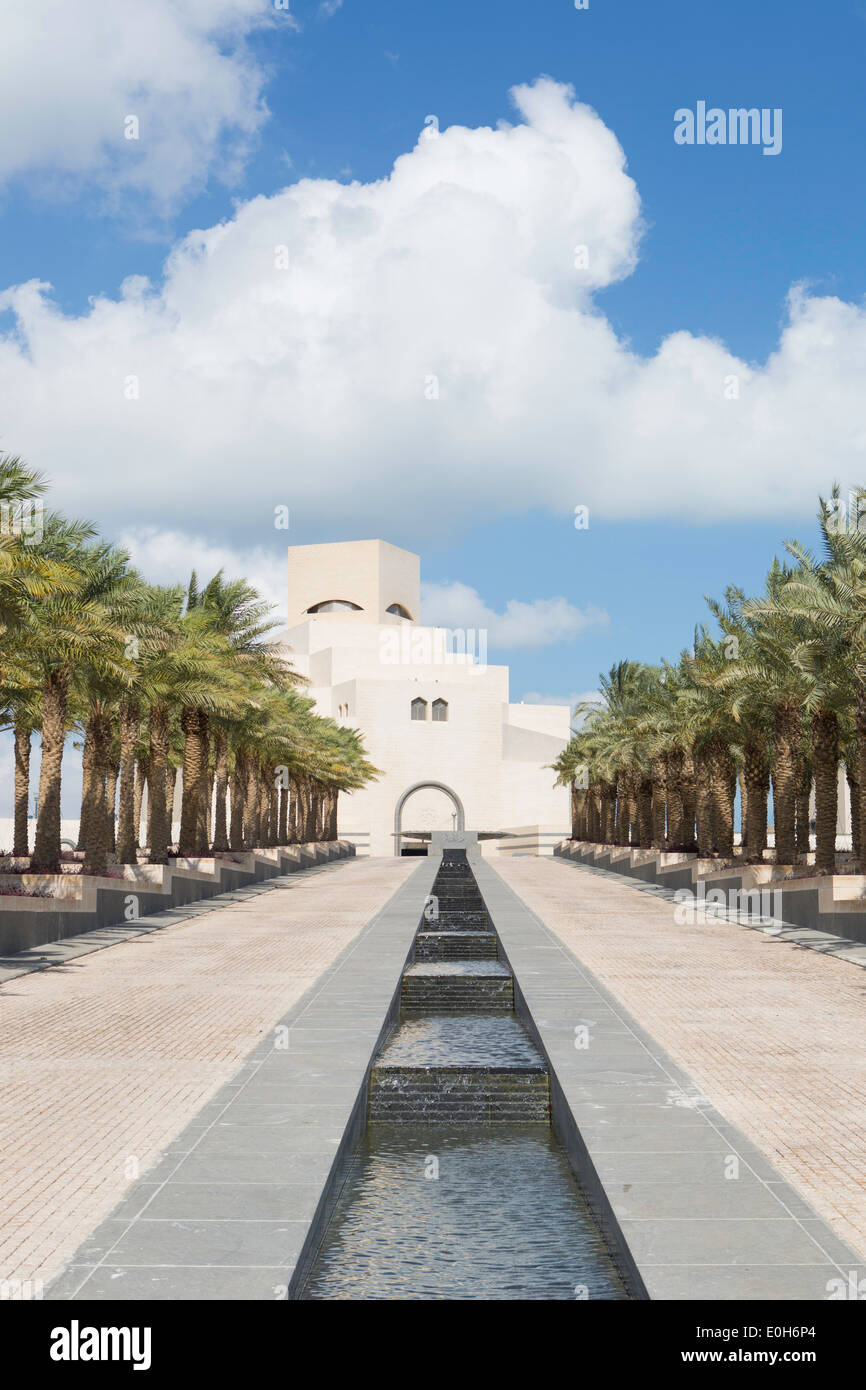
{"x":22,"y":715}
{"x":763,"y":674}
{"x":28,"y":572}
{"x":231,"y":618}
{"x":751,"y":713}
{"x":69,"y":626}
{"x":826,"y":602}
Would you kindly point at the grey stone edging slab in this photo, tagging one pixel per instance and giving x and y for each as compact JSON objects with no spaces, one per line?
{"x":236,"y":1207}
{"x":651,"y":1149}
{"x":58,"y":953}
{"x":809,"y":938}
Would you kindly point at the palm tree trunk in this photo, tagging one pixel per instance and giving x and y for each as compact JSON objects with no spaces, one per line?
{"x":675,"y":808}
{"x":703,"y":807}
{"x":605,"y":806}
{"x":307,"y":827}
{"x":756,"y":778}
{"x":294,"y":813}
{"x":252,"y":806}
{"x":87,"y":775}
{"x":127,"y":821}
{"x":194,"y":756}
{"x":111,"y":779}
{"x":632,"y":836}
{"x":96,"y":810}
{"x":854,"y":794}
{"x":158,"y":826}
{"x":264,"y":809}
{"x":744,"y":814}
{"x":21,"y":841}
{"x":221,"y":782}
{"x":688,"y":830}
{"x":786,"y":729}
{"x":331,"y":814}
{"x":205,"y":799}
{"x":825,"y":760}
{"x":722,"y":788}
{"x":645,"y":812}
{"x":803,"y":797}
{"x":596,"y":810}
{"x":169,"y":793}
{"x":860,"y":727}
{"x":659,"y":804}
{"x":620,"y":836}
{"x":239,"y":780}
{"x":46,"y":851}
{"x":141,"y":771}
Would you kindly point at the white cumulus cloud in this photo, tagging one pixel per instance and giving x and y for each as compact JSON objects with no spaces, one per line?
{"x":73,"y":71}
{"x":541,"y":623}
{"x":169,"y":557}
{"x":423,"y":351}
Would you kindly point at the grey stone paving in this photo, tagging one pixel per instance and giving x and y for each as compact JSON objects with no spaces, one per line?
{"x":60,"y":952}
{"x":808,"y":937}
{"x":235,"y":1209}
{"x":655,"y":1150}
{"x":230,"y":1210}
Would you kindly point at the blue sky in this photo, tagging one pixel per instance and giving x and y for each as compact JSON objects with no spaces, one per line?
{"x":727,"y":233}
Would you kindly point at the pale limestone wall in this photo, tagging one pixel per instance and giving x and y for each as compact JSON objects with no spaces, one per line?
{"x":370,"y":573}
{"x":366,"y":673}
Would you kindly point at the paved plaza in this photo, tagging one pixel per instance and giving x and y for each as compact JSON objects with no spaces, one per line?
{"x":107,"y":1058}
{"x":112,"y":1055}
{"x":770,"y":1033}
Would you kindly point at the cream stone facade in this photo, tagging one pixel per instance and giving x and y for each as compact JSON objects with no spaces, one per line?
{"x":435,"y":718}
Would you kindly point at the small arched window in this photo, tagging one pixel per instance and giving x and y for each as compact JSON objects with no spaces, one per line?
{"x":399,"y":611}
{"x":336,"y":605}
{"x":419,"y":708}
{"x":440,"y":710}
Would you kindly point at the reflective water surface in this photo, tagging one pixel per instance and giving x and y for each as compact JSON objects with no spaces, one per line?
{"x":453,"y":1040}
{"x":459,"y":967}
{"x":464,"y":1214}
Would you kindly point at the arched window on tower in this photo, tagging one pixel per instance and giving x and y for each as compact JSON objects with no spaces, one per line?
{"x":419,"y":708}
{"x":399,"y":611}
{"x":440,"y":710}
{"x":335,"y":605}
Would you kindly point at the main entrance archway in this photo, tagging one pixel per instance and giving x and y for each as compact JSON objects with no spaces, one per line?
{"x":421,"y":786}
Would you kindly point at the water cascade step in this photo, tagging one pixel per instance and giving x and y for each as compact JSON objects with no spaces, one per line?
{"x":460,"y":1080}
{"x":445,"y":985}
{"x":468,"y":945}
{"x":466,"y":1060}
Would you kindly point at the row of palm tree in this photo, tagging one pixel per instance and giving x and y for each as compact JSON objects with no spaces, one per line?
{"x":772,"y":699}
{"x":154,"y":680}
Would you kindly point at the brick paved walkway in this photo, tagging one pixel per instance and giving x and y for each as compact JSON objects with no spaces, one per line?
{"x":772,"y":1035}
{"x":105,"y":1060}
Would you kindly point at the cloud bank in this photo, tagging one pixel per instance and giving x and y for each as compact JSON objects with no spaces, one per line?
{"x":425,"y":349}
{"x":72,"y":73}
{"x":541,"y":623}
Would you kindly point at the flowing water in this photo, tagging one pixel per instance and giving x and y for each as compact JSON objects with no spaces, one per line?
{"x":462,"y":1214}
{"x":459,"y":1189}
